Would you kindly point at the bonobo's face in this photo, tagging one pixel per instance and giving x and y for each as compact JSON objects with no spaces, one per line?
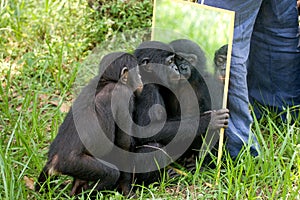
{"x":163,"y":71}
{"x":184,"y":66}
{"x":172,"y":70}
{"x":186,"y":62}
{"x":220,"y":62}
{"x":134,"y":80}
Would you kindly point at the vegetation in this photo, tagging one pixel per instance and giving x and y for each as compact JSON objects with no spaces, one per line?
{"x":43,"y":47}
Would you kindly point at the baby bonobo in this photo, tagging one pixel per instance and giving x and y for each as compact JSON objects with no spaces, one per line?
{"x":92,"y":111}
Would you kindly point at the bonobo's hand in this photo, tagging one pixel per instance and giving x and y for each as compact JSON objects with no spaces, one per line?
{"x":219,"y":119}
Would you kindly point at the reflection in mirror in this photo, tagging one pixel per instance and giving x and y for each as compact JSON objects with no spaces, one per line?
{"x":208,"y":34}
{"x":201,"y":37}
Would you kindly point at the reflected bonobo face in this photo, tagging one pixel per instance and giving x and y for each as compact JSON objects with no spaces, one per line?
{"x":221,"y":66}
{"x":189,"y":57}
{"x":183,"y":65}
{"x":220,"y":61}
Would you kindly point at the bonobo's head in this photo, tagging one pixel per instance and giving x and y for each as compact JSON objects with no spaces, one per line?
{"x":122,"y":67}
{"x":156,"y":60}
{"x":189,"y":56}
{"x":220,"y":60}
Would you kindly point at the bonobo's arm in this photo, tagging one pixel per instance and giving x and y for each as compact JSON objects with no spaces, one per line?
{"x":212,"y":119}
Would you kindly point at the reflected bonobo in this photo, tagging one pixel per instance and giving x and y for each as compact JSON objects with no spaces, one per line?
{"x":191,"y":58}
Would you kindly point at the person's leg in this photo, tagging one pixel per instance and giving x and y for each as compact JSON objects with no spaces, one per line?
{"x":238,"y":132}
{"x":274,"y":62}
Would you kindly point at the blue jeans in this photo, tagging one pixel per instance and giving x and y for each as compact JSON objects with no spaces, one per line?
{"x":274,"y":62}
{"x":253,"y":17}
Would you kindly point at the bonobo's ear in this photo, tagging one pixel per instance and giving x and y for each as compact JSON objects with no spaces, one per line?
{"x":124,"y":75}
{"x":192,"y":58}
{"x":145,"y":61}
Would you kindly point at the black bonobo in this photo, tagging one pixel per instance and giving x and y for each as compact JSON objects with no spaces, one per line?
{"x":90,"y":113}
{"x":158,"y":72}
{"x":191,"y":62}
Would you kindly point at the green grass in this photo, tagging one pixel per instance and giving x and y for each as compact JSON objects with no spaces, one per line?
{"x":43,"y":45}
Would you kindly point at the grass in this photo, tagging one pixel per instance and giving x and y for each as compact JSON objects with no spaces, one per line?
{"x":42,"y":47}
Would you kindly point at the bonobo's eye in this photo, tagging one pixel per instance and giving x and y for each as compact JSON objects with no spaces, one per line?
{"x":180,"y":58}
{"x":170,"y":60}
{"x":189,"y":57}
{"x":221,"y":61}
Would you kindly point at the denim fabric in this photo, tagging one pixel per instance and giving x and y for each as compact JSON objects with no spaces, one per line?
{"x":274,"y":62}
{"x":274,"y":65}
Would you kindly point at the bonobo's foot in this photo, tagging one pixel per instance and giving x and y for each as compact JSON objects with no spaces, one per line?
{"x":126,"y":189}
{"x":78,"y":186}
{"x":219,"y":119}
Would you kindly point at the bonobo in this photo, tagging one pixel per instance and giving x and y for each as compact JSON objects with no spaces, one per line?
{"x":68,"y":154}
{"x":220,"y":60}
{"x":191,"y":61}
{"x":158,"y":70}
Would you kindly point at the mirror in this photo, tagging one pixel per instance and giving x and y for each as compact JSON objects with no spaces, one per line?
{"x":209,"y":28}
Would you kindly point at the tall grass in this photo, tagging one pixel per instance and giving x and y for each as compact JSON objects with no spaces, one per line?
{"x":42,"y":46}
